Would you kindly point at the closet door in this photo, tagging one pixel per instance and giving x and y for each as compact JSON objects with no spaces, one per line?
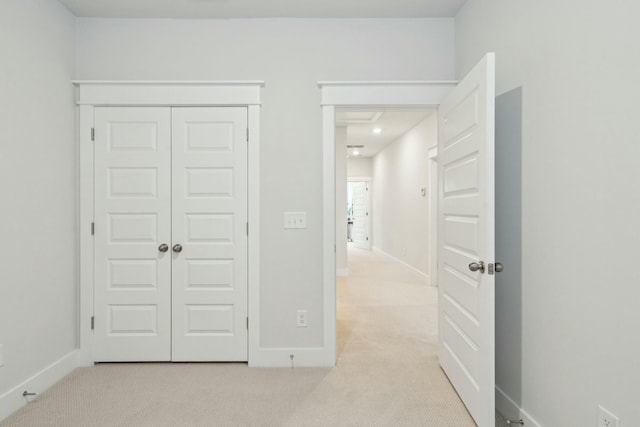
{"x":132,"y":305}
{"x":209,"y":167}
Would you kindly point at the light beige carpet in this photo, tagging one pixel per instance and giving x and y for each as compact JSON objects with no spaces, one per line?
{"x":387,"y":374}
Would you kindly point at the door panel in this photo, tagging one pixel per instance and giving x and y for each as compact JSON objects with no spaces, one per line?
{"x":466,"y":230}
{"x":360,"y":215}
{"x":132,"y":218}
{"x":209,"y":221}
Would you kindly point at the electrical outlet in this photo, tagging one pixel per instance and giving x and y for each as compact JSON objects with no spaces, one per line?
{"x":301,"y":318}
{"x":1,"y":355}
{"x":606,"y":418}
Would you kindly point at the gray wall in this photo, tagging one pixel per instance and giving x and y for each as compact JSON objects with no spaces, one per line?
{"x":578,"y":64}
{"x":291,"y":55}
{"x":400,"y":212}
{"x":38,"y":292}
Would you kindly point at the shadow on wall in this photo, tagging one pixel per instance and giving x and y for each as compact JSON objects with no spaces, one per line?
{"x":509,"y":243}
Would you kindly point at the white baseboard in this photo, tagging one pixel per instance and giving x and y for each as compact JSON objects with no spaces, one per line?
{"x":512,"y":411}
{"x":342,"y":272}
{"x":13,"y":399}
{"x":423,"y":275}
{"x":310,"y":357}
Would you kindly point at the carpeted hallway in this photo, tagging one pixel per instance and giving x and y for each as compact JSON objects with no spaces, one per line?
{"x":387,"y":374}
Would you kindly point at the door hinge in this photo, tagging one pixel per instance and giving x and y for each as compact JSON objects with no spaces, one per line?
{"x":92,"y":322}
{"x":247,"y":322}
{"x":247,"y":229}
{"x":93,"y":134}
{"x":247,"y":134}
{"x":93,"y":228}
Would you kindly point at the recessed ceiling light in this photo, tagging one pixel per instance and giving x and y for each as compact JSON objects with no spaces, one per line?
{"x":356,"y":153}
{"x":377,"y":130}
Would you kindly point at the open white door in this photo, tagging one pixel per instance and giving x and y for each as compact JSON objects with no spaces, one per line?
{"x":466,"y":230}
{"x":360,"y":214}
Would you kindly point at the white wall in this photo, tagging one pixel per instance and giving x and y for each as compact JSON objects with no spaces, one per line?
{"x":401,"y":213}
{"x":577,"y":63}
{"x":359,"y":167}
{"x":38,"y":290}
{"x":291,"y":55}
{"x":341,"y":201}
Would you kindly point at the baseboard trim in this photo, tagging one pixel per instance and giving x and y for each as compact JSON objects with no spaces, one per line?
{"x":342,"y":272}
{"x":306,"y":357}
{"x":512,"y":411}
{"x":13,"y":399}
{"x":423,"y":275}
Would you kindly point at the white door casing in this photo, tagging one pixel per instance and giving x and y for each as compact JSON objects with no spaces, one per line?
{"x":466,"y":235}
{"x":209,"y":166}
{"x":360,"y":199}
{"x":132,"y":219}
{"x":172,"y":176}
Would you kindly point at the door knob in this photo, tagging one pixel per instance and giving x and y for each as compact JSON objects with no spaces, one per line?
{"x":477,"y":266}
{"x":177,"y":248}
{"x":499,"y":267}
{"x":163,"y":247}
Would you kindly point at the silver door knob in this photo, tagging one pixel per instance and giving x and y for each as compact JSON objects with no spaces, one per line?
{"x":499,"y":267}
{"x":163,"y":247}
{"x":477,"y":266}
{"x":177,"y":248}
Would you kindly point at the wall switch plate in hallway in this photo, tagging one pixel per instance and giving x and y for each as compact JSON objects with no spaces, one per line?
{"x":295,"y":220}
{"x":301,"y":318}
{"x":606,"y":418}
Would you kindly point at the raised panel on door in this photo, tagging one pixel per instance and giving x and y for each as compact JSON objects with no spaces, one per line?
{"x":209,"y":166}
{"x":132,"y":281}
{"x":466,"y":235}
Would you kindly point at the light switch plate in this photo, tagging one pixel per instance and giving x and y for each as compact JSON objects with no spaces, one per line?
{"x":295,"y":220}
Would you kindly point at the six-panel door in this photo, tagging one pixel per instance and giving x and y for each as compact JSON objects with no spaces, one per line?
{"x":166,"y":177}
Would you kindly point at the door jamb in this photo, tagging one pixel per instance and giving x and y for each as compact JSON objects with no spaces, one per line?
{"x":91,"y":94}
{"x":407,"y":94}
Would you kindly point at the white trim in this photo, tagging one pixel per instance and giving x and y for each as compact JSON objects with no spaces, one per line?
{"x":165,"y":93}
{"x":422,"y":94}
{"x":303,"y":357}
{"x":424,"y":276}
{"x":85,"y":164}
{"x":512,"y":411}
{"x":432,"y":170}
{"x":168,"y":93}
{"x":342,"y":272}
{"x":374,"y":94}
{"x":329,"y":231}
{"x":38,"y":383}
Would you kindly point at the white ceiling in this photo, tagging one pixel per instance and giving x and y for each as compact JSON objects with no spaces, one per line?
{"x":393,"y":123}
{"x":264,"y":8}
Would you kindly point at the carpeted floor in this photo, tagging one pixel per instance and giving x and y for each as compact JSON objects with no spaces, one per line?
{"x":387,"y":374}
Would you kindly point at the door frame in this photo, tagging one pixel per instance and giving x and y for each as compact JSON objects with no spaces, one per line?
{"x":91,"y":94}
{"x":356,"y":94}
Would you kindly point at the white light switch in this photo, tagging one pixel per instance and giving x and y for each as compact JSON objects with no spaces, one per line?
{"x":295,"y":220}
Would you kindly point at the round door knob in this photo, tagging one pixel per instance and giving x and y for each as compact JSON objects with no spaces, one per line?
{"x":477,"y":266}
{"x":177,"y":248}
{"x":499,"y":267}
{"x":163,"y":247}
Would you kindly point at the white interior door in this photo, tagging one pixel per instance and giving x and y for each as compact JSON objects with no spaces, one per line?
{"x":466,"y":230}
{"x":360,"y":199}
{"x":132,"y":219}
{"x":210,"y":223}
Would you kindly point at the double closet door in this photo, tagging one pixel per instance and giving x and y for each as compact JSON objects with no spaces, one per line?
{"x":170,"y":234}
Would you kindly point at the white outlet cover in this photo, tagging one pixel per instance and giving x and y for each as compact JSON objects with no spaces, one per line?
{"x":606,"y":418}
